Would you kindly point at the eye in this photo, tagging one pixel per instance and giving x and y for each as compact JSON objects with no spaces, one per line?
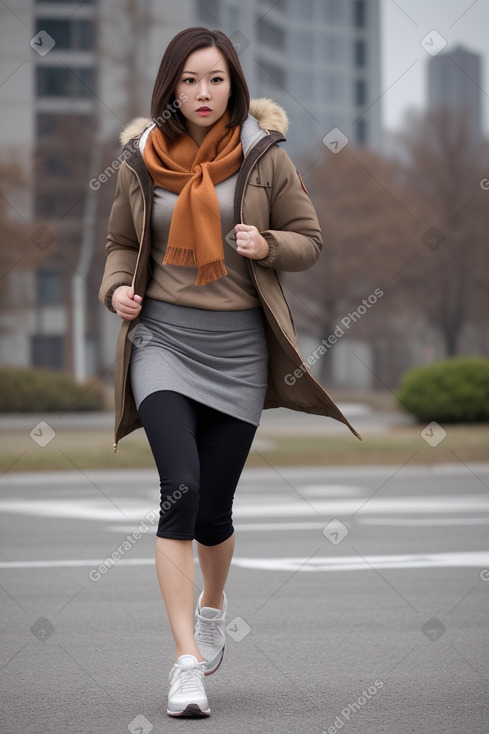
{"x":188,"y":79}
{"x":217,"y":79}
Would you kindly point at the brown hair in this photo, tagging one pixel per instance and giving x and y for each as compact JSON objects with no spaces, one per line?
{"x":165,"y":109}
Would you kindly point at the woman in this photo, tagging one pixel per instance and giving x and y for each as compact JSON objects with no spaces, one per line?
{"x":207,"y":208}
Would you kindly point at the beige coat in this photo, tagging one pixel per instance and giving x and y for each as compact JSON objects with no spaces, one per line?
{"x":269,"y":195}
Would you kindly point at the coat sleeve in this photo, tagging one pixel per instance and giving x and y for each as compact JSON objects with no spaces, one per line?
{"x":294,"y":237}
{"x":122,"y":245}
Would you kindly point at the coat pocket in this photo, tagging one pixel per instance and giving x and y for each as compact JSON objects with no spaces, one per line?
{"x":258,"y":200}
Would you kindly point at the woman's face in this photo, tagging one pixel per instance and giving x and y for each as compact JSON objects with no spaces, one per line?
{"x":206,"y":83}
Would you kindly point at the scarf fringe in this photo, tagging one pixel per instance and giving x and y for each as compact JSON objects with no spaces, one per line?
{"x":178,"y":256}
{"x":210,"y":271}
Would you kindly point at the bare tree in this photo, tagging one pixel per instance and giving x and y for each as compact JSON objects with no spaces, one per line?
{"x":367,"y":231}
{"x":23,"y":244}
{"x":449,"y":281}
{"x":415,"y":227}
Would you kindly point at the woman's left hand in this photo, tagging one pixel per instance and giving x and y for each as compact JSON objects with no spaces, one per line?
{"x":250,"y":243}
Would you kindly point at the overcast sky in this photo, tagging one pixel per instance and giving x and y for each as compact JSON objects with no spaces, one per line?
{"x":404,"y":23}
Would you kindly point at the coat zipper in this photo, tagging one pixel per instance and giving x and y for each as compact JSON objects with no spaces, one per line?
{"x":114,"y":445}
{"x":251,"y":262}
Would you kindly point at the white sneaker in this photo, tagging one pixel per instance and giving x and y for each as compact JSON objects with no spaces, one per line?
{"x":187,"y":695}
{"x":210,"y":634}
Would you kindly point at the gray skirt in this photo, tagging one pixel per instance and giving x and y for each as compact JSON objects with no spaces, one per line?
{"x":218,"y":358}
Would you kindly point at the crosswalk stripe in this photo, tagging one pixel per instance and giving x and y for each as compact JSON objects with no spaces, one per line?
{"x":475,"y":559}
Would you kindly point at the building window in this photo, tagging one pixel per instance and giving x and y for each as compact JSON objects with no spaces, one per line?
{"x":270,"y":35}
{"x":361,"y":131}
{"x":305,"y":86}
{"x":360,"y":92}
{"x":333,"y":89}
{"x":47,"y":351}
{"x":62,"y":82}
{"x":333,"y":47}
{"x":332,"y":10}
{"x":56,"y":164}
{"x":271,"y":74}
{"x":77,"y":34}
{"x":305,"y":45}
{"x":59,"y":203}
{"x":360,"y":53}
{"x":360,"y":13}
{"x":306,"y":9}
{"x":50,"y":125}
{"x":49,"y":287}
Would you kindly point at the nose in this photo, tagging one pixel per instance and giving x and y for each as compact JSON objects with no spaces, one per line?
{"x":203,"y":91}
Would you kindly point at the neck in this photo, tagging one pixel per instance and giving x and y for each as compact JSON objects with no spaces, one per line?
{"x":197,"y":132}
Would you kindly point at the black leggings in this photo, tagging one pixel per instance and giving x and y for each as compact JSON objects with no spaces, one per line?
{"x":199,"y":453}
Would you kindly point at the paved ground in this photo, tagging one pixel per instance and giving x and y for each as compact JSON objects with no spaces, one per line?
{"x":358,"y":602}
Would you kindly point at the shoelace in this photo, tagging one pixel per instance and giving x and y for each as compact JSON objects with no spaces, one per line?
{"x":190,"y":678}
{"x":205,"y":630}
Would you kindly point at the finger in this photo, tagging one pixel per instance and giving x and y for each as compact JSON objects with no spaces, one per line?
{"x":129,"y":308}
{"x":244,"y":238}
{"x":244,"y":227}
{"x":129,"y":302}
{"x":126,"y":315}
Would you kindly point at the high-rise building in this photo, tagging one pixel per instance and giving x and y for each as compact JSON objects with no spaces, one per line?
{"x":319,"y":59}
{"x":73,"y":72}
{"x":454,"y":84}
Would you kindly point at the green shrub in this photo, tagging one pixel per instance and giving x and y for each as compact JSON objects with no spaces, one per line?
{"x":451,"y":391}
{"x":31,"y":390}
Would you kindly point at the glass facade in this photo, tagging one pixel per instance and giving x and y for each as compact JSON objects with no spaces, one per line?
{"x":64,"y":82}
{"x":76,"y":35}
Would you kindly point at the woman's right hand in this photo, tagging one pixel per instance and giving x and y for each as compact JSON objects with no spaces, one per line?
{"x":125,"y":303}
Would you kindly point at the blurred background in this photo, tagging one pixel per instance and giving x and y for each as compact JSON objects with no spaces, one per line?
{"x":387,"y":104}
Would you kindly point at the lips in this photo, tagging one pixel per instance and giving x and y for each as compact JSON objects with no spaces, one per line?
{"x":204,"y":109}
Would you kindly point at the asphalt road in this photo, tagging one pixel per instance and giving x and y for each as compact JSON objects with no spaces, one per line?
{"x":358,"y":603}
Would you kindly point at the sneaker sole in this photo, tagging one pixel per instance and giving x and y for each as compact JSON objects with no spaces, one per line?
{"x":210,"y":672}
{"x":193,"y":711}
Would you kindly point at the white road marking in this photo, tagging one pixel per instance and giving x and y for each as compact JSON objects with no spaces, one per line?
{"x":244,"y":527}
{"x":110,"y":479}
{"x":256,"y":506}
{"x":418,"y":505}
{"x":477,"y":559}
{"x":470,"y":559}
{"x":76,"y":563}
{"x":419,"y":521}
{"x":333,"y":490}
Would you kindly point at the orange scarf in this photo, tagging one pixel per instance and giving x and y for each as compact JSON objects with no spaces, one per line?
{"x":181,"y":166}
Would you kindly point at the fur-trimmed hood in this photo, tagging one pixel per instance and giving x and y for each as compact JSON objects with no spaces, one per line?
{"x":269,"y":115}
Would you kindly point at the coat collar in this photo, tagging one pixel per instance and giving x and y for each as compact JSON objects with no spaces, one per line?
{"x":267,"y":114}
